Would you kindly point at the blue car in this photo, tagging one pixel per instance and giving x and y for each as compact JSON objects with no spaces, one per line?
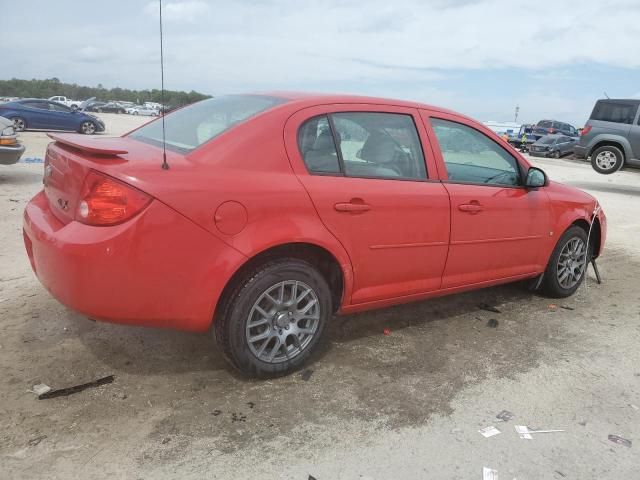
{"x":34,"y":114}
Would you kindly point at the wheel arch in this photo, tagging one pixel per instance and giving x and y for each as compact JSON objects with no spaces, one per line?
{"x":320,"y":257}
{"x":595,"y":238}
{"x":619,"y":142}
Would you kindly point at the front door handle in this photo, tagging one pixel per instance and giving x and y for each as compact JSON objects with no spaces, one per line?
{"x":472,"y":208}
{"x":352,"y":206}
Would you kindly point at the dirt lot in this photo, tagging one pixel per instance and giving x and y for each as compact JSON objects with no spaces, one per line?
{"x":407,"y":405}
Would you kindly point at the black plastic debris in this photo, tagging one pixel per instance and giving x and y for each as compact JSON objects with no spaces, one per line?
{"x":505,"y":415}
{"x":238,"y":417}
{"x":216,"y":412}
{"x":306,"y":375}
{"x":311,"y":477}
{"x":493,"y":323}
{"x":567,"y":307}
{"x":488,"y":308}
{"x":619,"y":440}
{"x":64,"y":392}
{"x":251,"y":404}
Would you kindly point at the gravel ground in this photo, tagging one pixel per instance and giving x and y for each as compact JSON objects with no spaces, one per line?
{"x":405,"y":405}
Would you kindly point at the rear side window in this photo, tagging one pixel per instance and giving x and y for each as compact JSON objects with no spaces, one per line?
{"x":472,"y":157}
{"x":192,"y":126}
{"x":363,"y":144}
{"x":611,"y":111}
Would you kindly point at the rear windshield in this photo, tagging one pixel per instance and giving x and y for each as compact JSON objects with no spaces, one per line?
{"x":612,"y":111}
{"x":191,"y":126}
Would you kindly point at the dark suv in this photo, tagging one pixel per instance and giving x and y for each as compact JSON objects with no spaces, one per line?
{"x":549,"y":127}
{"x":611,"y":136}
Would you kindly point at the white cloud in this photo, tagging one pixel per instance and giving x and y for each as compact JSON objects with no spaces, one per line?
{"x":178,"y":11}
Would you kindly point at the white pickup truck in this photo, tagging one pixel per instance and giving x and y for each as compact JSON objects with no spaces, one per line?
{"x":73,"y":104}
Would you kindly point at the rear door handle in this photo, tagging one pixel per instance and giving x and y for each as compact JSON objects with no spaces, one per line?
{"x":353,"y":207}
{"x":470,"y":208}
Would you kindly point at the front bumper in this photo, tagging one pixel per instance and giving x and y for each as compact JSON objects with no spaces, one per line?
{"x":10,"y":154}
{"x":538,"y":154}
{"x":158,"y":269}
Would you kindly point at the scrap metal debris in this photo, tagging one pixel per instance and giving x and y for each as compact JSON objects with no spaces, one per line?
{"x":567,"y":307}
{"x":35,"y":441}
{"x":64,"y":392}
{"x":505,"y":415}
{"x":490,"y":431}
{"x":525,"y":432}
{"x":488,"y":308}
{"x":619,"y":440}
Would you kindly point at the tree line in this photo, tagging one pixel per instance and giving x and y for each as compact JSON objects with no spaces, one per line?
{"x":52,"y":86}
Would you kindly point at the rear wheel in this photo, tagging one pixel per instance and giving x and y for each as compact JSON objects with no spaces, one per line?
{"x":88,"y":128}
{"x":19,"y":124}
{"x":607,"y":159}
{"x":272,"y":321}
{"x":568,"y":264}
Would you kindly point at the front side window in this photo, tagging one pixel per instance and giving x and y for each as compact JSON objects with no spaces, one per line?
{"x":38,"y":105}
{"x":472,"y":157}
{"x":196,"y":124}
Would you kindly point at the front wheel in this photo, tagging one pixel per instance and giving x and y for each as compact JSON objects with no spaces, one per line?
{"x":568,"y":264}
{"x":88,"y":128}
{"x":556,"y":154}
{"x":275,"y":317}
{"x":607,"y":159}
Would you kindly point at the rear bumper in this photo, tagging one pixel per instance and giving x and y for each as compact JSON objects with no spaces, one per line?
{"x":10,"y":154}
{"x":580,"y":151}
{"x":158,"y":269}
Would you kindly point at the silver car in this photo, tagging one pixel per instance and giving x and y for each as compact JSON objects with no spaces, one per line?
{"x":554,"y":146}
{"x":10,"y":149}
{"x":611,"y":136}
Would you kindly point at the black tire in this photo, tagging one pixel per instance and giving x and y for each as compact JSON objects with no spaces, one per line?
{"x":556,"y":154}
{"x":88,"y":128}
{"x":19,"y":124}
{"x":550,"y":283}
{"x":608,"y":151}
{"x":99,"y":110}
{"x":230,"y":325}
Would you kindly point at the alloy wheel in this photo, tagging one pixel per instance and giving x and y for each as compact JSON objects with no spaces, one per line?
{"x":572,"y":263}
{"x":19,"y":125}
{"x":606,"y":160}
{"x":283,"y":321}
{"x":88,"y":128}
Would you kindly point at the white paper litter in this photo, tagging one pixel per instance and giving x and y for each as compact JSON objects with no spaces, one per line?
{"x":487,"y":432}
{"x":41,"y":389}
{"x":489,"y":473}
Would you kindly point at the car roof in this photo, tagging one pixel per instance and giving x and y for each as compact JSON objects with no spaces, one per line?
{"x":626,"y":100}
{"x":310,"y":99}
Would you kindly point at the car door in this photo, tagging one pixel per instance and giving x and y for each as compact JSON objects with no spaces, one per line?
{"x":62,"y":117}
{"x":497,"y":226}
{"x":377,"y":190}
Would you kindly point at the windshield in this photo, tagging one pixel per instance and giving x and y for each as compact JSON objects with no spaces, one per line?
{"x":190,"y":127}
{"x":547,"y":140}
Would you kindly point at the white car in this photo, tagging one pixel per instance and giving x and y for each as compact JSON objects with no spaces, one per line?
{"x":142,"y":110}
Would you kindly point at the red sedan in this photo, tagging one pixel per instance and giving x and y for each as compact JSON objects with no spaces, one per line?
{"x":278,"y":211}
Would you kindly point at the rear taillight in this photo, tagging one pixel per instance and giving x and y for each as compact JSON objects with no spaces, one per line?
{"x":585,"y":130}
{"x":107,"y":201}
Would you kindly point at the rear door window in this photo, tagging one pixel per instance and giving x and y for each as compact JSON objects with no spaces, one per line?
{"x":472,"y":157}
{"x":611,"y":111}
{"x":317,"y":146}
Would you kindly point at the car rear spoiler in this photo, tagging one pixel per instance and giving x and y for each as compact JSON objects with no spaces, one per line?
{"x":96,"y":145}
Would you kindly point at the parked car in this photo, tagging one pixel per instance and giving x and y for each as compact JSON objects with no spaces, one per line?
{"x":611,"y":136}
{"x":10,"y":148}
{"x":34,"y":114}
{"x":275,"y":212}
{"x":548,"y":127}
{"x":72,"y":104}
{"x":110,"y":107}
{"x":93,"y":106}
{"x":142,"y":110}
{"x":554,"y":146}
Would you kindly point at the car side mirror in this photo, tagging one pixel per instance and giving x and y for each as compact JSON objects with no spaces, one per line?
{"x":536,"y":178}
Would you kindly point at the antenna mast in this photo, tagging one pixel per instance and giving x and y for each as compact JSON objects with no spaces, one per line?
{"x":165,"y":165}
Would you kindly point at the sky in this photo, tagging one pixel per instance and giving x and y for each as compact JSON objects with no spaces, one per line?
{"x":479,"y":57}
